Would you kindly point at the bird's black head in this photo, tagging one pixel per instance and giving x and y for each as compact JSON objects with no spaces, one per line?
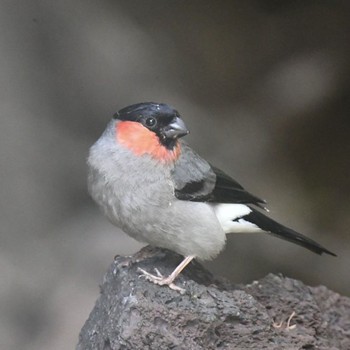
{"x":159,"y":118}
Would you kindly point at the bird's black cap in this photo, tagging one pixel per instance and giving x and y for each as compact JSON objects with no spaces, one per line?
{"x":144,"y":109}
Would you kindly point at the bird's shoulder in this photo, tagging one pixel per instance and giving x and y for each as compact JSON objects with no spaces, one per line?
{"x":197,"y":180}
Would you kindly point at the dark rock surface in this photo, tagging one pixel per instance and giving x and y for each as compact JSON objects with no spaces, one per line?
{"x":132,"y":313}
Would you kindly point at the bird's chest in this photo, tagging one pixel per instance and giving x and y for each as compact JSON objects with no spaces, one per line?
{"x":138,"y":192}
{"x":151,"y":193}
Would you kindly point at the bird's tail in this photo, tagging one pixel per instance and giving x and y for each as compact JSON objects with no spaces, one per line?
{"x":283,"y":232}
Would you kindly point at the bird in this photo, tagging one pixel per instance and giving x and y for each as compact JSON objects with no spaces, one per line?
{"x":152,"y":185}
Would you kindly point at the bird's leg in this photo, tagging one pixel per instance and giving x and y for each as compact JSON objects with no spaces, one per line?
{"x":161,"y":280}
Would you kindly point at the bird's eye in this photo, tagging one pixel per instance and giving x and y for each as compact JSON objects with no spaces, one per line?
{"x":151,"y":122}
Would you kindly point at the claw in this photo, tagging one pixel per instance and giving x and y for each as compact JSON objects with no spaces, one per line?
{"x":158,"y":273}
{"x":161,"y":280}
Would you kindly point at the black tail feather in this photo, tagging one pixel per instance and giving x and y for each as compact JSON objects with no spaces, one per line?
{"x":283,"y":232}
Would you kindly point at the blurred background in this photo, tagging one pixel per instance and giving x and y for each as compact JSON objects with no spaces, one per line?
{"x":263,"y":86}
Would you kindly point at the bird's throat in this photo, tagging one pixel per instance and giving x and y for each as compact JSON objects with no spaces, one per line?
{"x":138,"y":139}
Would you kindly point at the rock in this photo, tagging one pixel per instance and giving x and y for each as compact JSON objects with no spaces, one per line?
{"x":132,"y":313}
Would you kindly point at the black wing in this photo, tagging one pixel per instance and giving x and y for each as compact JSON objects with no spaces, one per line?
{"x":227,"y":190}
{"x":196,"y":180}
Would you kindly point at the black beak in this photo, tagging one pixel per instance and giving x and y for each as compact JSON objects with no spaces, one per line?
{"x":175,"y":129}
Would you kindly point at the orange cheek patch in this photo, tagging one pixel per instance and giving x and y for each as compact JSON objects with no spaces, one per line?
{"x":140,"y":141}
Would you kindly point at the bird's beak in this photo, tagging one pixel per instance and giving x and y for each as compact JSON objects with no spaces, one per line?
{"x":176,"y":129}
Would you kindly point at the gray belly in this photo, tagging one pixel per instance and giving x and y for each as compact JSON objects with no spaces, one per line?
{"x":188,"y":228}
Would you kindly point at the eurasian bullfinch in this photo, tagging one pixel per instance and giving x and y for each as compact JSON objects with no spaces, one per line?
{"x":153,"y":186}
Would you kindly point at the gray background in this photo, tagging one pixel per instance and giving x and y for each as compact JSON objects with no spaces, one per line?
{"x":263,"y":86}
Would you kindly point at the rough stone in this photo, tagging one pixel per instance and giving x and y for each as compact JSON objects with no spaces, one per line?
{"x":132,"y":313}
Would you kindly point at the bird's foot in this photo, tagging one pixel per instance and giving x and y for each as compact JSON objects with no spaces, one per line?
{"x":161,"y":280}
